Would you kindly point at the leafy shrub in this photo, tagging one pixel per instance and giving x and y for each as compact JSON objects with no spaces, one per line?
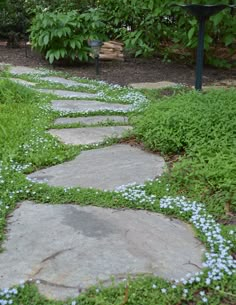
{"x":60,"y":35}
{"x":202,"y":127}
{"x":144,"y":25}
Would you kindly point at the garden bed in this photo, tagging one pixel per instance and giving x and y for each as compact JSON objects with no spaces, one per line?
{"x":132,"y":70}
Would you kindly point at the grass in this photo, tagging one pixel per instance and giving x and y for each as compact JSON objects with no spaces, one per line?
{"x":197,"y":128}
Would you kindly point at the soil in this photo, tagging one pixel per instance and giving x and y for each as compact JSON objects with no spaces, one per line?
{"x":132,"y":70}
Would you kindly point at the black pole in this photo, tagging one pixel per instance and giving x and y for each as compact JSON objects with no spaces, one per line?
{"x":97,"y":64}
{"x":200,"y":54}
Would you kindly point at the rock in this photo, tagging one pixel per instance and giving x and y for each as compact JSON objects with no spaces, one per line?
{"x":85,"y":106}
{"x":22,"y":82}
{"x":67,"y":93}
{"x":92,"y":120}
{"x":18,"y":70}
{"x":88,"y":135}
{"x":70,"y":248}
{"x":104,"y":168}
{"x":64,"y":81}
{"x":158,"y":85}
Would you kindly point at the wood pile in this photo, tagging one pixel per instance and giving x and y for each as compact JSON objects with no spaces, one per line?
{"x":112,"y":50}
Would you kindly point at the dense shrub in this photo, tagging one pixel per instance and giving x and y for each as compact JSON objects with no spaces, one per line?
{"x":65,"y":35}
{"x":144,"y":25}
{"x":202,"y":127}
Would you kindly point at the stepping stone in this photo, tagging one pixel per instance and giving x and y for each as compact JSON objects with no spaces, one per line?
{"x":66,"y":93}
{"x":88,"y":135}
{"x":104,"y":168}
{"x":22,"y":82}
{"x":18,"y":70}
{"x":64,"y":81}
{"x":85,"y":106}
{"x":158,"y":85}
{"x":92,"y":120}
{"x":69,"y":248}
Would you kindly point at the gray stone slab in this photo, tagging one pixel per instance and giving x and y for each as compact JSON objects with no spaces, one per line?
{"x":64,"y":81}
{"x":68,"y":248}
{"x":92,"y":120}
{"x":73,"y":106}
{"x":104,"y":168}
{"x":18,"y":70}
{"x":67,"y":93}
{"x":88,"y":135}
{"x":22,"y":82}
{"x":157,"y":85}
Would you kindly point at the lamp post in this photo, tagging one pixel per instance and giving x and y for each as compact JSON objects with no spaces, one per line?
{"x":202,"y":13}
{"x":96,"y":47}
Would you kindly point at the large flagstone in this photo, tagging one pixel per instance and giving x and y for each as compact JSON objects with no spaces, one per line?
{"x":88,"y":135}
{"x":67,"y":93}
{"x":67,"y":248}
{"x":64,"y":81}
{"x":81,"y":106}
{"x":18,"y":70}
{"x":91,"y":120}
{"x":104,"y":168}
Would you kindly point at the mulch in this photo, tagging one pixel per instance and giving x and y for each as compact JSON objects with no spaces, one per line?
{"x":131,"y":70}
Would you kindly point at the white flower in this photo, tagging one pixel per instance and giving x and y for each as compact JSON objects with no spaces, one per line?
{"x":154,"y":286}
{"x":163,"y":290}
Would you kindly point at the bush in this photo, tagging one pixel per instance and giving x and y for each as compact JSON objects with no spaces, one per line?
{"x":59,"y":35}
{"x":201,"y":127}
{"x":148,"y":26}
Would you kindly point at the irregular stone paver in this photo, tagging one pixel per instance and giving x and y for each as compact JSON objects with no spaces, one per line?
{"x":104,"y":168}
{"x":70,"y":248}
{"x":22,"y":82}
{"x":88,"y":135}
{"x":72,"y":106}
{"x":18,"y":70}
{"x":92,"y":120}
{"x":67,"y":93}
{"x":64,"y":81}
{"x":158,"y":85}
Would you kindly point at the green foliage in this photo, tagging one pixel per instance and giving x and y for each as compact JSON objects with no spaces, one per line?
{"x":60,"y":35}
{"x":12,"y":18}
{"x":144,"y":25}
{"x":202,"y":127}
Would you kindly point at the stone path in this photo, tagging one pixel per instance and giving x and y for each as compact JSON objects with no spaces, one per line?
{"x":22,"y":82}
{"x":19,"y":70}
{"x":158,"y":85}
{"x":72,"y":106}
{"x":104,"y":168}
{"x":67,"y":93}
{"x":92,"y":120}
{"x":88,"y":135}
{"x":67,"y":248}
{"x":63,"y":81}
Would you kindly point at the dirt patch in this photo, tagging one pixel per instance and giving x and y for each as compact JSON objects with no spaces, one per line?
{"x":130,"y":71}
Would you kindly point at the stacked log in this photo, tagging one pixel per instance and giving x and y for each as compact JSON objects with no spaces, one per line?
{"x":112,"y":50}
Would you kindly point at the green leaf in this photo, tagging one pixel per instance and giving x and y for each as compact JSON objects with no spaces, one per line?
{"x":190,"y":33}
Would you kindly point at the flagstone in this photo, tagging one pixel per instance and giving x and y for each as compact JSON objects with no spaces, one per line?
{"x":22,"y":82}
{"x":64,"y":81}
{"x":88,"y":135}
{"x":92,"y":120}
{"x":18,"y":70}
{"x":104,"y":168}
{"x":73,"y":106}
{"x":65,"y":249}
{"x":67,"y":93}
{"x":157,"y":85}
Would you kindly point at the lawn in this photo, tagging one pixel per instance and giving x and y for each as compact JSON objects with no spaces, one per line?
{"x":195,"y":132}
